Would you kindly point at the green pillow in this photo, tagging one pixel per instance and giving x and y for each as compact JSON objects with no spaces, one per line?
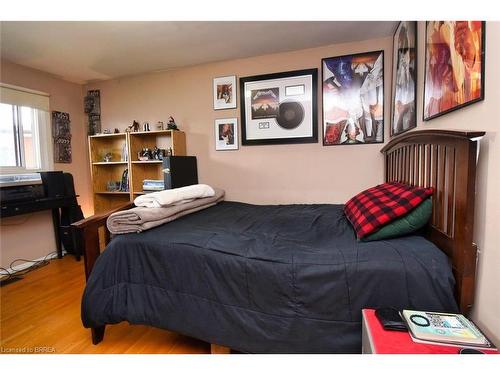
{"x":409,"y":223}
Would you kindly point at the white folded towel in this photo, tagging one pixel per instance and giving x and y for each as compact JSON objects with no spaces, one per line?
{"x":174,"y":196}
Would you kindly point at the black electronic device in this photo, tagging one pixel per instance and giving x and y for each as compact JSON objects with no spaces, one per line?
{"x":53,"y":183}
{"x":21,"y":193}
{"x":390,"y":319}
{"x":179,"y":171}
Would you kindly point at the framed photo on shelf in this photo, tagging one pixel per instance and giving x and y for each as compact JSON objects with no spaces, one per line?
{"x":454,"y":66}
{"x":224,"y":92}
{"x":353,"y":99}
{"x":404,"y":78}
{"x":226,"y":134}
{"x":279,"y":108}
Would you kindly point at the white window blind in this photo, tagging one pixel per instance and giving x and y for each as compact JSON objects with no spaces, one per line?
{"x":22,"y":97}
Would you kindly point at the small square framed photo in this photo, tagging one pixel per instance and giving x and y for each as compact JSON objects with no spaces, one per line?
{"x":225,"y":92}
{"x":226,"y":134}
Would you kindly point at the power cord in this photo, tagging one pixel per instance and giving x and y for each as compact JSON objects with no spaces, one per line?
{"x":6,"y":274}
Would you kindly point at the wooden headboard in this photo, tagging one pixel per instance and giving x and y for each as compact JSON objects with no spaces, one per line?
{"x":445,"y":160}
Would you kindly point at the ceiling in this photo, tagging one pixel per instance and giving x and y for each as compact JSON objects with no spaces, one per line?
{"x":90,"y":51}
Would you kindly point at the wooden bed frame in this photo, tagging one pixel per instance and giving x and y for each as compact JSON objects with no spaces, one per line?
{"x":443,"y":159}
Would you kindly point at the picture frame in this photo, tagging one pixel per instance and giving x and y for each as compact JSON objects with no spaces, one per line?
{"x":404,"y":78}
{"x":224,"y":92}
{"x":454,"y":75}
{"x":226,"y":134}
{"x":279,"y":108}
{"x":353,"y":98}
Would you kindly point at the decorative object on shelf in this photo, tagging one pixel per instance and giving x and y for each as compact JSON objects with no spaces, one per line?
{"x":404,"y":78}
{"x":113,"y":186}
{"x":169,"y":152}
{"x":106,"y":131}
{"x":134,"y":127}
{"x":353,"y":99}
{"x":61,"y":135}
{"x":107,"y":157}
{"x":171,"y":125}
{"x":92,"y":105}
{"x":279,"y":108}
{"x":124,"y":152}
{"x":224,"y":92}
{"x":146,"y":127}
{"x":145,"y":154}
{"x":124,"y":181}
{"x":454,"y":66}
{"x":159,"y":125}
{"x":117,"y":131}
{"x":226,"y":134}
{"x":158,"y":153}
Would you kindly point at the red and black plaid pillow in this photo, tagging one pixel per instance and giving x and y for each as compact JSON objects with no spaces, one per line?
{"x":379,"y":205}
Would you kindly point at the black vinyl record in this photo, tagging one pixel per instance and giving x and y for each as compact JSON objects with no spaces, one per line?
{"x":290,"y":115}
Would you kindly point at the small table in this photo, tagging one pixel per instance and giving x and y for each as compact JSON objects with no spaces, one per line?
{"x":376,"y":340}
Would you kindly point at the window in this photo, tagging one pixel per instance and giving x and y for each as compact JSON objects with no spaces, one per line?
{"x":24,"y":137}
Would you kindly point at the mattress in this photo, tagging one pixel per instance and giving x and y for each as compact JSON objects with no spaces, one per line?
{"x":264,"y":278}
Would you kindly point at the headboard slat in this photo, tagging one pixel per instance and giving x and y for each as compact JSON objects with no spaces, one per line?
{"x":445,"y":160}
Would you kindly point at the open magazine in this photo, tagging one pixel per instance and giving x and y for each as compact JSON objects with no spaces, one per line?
{"x":443,"y":328}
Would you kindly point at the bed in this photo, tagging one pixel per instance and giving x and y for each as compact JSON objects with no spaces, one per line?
{"x":291,"y":278}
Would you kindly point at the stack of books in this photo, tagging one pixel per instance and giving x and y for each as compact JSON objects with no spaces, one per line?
{"x":444,"y":329}
{"x":153,"y":185}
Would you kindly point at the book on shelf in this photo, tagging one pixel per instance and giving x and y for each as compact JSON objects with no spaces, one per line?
{"x":444,"y":329}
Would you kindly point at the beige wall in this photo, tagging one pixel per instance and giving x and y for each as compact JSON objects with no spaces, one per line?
{"x":31,"y":236}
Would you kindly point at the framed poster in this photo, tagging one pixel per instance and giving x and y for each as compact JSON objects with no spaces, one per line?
{"x":224,"y":92}
{"x":353,"y":99}
{"x":404,"y":78}
{"x":279,"y":108}
{"x":454,"y":66}
{"x":226,"y":134}
{"x":61,"y":135}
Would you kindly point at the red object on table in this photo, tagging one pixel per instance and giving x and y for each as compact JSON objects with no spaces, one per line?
{"x":381,"y":341}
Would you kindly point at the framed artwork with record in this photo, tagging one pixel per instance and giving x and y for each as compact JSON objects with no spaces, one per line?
{"x":404,"y":78}
{"x":279,"y":108}
{"x":353,"y":99}
{"x":226,"y":134}
{"x":224,"y":92}
{"x":454,"y":66}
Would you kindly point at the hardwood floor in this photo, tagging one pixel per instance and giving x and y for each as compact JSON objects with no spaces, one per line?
{"x":43,"y":311}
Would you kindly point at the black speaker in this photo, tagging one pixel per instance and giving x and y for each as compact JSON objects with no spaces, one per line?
{"x":53,"y":184}
{"x":179,"y":171}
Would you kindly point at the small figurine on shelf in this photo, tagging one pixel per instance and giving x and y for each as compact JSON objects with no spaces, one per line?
{"x":106,"y":131}
{"x":134,"y":127}
{"x":169,"y":151}
{"x":146,"y":127}
{"x":108,"y":157}
{"x":159,"y":125}
{"x":171,"y":125}
{"x":124,"y":181}
{"x":158,"y":153}
{"x":144,"y":154}
{"x":117,"y":130}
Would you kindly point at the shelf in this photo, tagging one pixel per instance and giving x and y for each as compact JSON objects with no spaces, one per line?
{"x":108,"y":135}
{"x":113,"y":192}
{"x":146,"y":161}
{"x":109,"y":162}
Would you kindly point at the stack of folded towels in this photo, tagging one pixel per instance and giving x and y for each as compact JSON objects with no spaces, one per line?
{"x":162,"y":207}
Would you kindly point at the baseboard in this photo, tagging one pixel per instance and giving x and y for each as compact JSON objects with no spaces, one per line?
{"x":26,"y":265}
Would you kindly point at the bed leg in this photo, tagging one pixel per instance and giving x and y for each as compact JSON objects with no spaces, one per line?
{"x":217,"y":349}
{"x":97,"y":334}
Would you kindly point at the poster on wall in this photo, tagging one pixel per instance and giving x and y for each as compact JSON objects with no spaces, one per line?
{"x":404,"y":78}
{"x":353,"y":99}
{"x":92,"y":105}
{"x":279,"y":108}
{"x":454,"y":66}
{"x":226,"y":134}
{"x":224,"y":92}
{"x":61,"y":134}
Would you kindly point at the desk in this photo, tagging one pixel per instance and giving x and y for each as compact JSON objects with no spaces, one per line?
{"x":41,"y":204}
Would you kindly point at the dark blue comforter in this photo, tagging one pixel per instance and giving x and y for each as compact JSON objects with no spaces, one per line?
{"x":272,"y":279}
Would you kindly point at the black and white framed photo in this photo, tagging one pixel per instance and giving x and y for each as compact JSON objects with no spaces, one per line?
{"x":226,"y":134}
{"x":353,"y":99}
{"x":404,"y":78}
{"x":279,"y":108}
{"x":225,"y":92}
